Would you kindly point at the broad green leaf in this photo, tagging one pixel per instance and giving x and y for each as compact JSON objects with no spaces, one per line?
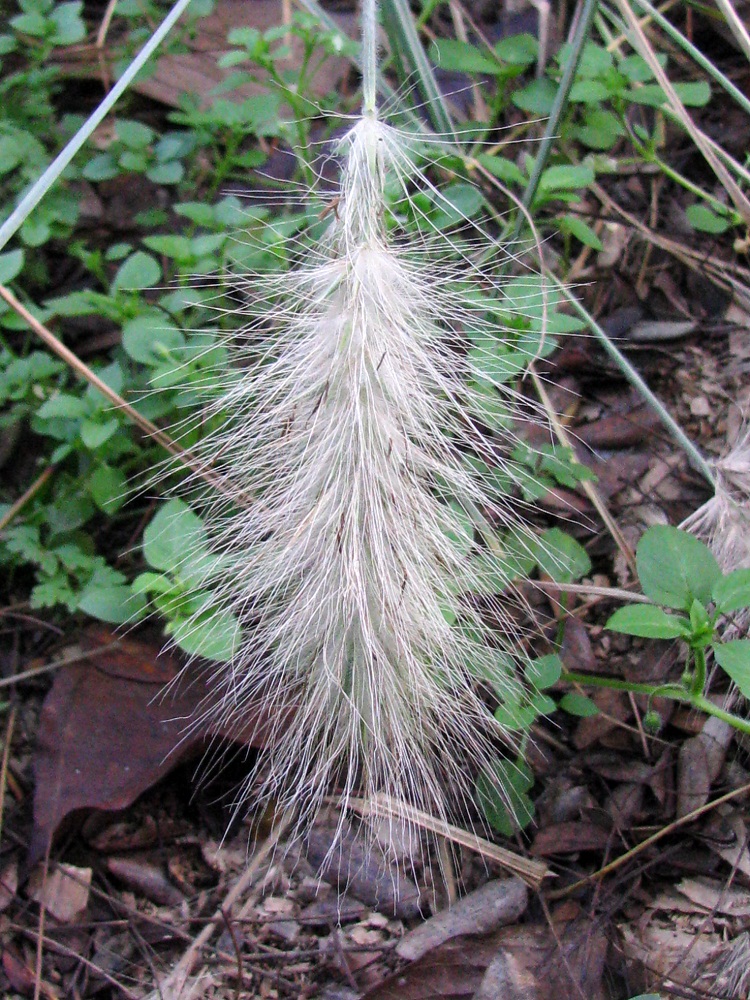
{"x":565,"y":177}
{"x":692,"y":94}
{"x":213,"y":634}
{"x":561,"y":557}
{"x":506,"y":170}
{"x":520,"y":50}
{"x":648,"y":621}
{"x":588,"y":92}
{"x":10,"y":265}
{"x":139,"y":271}
{"x":102,"y":167}
{"x":94,"y":433}
{"x":734,"y":658}
{"x":62,"y":406}
{"x":600,"y":129}
{"x":171,"y":172}
{"x":150,"y":340}
{"x":578,"y":704}
{"x":732,"y":592}
{"x":502,"y":793}
{"x":675,"y":568}
{"x":134,"y":134}
{"x":69,"y":26}
{"x":176,"y":534}
{"x":460,"y":57}
{"x":108,"y":488}
{"x":705,"y":219}
{"x":116,"y":604}
{"x":537,"y":98}
{"x":544,"y":671}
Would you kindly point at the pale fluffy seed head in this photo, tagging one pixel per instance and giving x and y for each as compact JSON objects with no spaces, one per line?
{"x":360,"y":528}
{"x":724,"y":520}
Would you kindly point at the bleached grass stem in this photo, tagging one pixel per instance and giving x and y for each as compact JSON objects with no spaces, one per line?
{"x":38,"y":190}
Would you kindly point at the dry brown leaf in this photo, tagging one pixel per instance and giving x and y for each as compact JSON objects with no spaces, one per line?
{"x":108,"y":731}
{"x":63,"y":891}
{"x":495,"y":904}
{"x":544,"y":966}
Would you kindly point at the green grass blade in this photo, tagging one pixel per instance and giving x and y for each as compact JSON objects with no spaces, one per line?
{"x":398,"y":22}
{"x":585,"y":16}
{"x":17,"y":218}
{"x":695,"y":54}
{"x":636,"y":380}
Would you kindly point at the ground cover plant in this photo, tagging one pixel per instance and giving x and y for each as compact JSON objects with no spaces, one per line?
{"x":529,"y":144}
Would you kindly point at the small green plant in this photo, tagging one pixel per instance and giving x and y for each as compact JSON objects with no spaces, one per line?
{"x":689,"y":598}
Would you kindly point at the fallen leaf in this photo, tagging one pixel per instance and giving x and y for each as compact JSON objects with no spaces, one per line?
{"x":63,"y":891}
{"x":570,"y":838}
{"x":352,"y":868}
{"x":8,"y":884}
{"x":110,"y":728}
{"x":499,"y":902}
{"x":699,"y":762}
{"x":147,"y":878}
{"x":20,"y":976}
{"x":545,"y":966}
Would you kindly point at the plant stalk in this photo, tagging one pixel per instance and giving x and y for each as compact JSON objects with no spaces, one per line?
{"x":675,"y":692}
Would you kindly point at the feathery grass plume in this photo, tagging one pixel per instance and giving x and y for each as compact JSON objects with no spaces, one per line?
{"x":724,"y":520}
{"x":357,"y":438}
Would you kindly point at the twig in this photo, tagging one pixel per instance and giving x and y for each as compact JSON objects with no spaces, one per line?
{"x":63,"y":949}
{"x":26,"y":675}
{"x":6,"y":760}
{"x":20,"y":503}
{"x":78,"y":366}
{"x":175,"y":982}
{"x":653,"y":839}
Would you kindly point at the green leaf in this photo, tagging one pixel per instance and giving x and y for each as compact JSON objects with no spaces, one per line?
{"x":457,"y":203}
{"x":506,"y":170}
{"x":176,"y":534}
{"x":734,"y":658}
{"x":502,"y":794}
{"x":62,"y":406}
{"x":117,"y":604}
{"x":149,"y":340}
{"x":578,"y":704}
{"x":675,"y":568}
{"x":69,"y":27}
{"x":565,"y":177}
{"x":171,"y":172}
{"x":648,"y":621}
{"x":544,"y":671}
{"x":94,"y":433}
{"x":460,"y":57}
{"x":693,"y":94}
{"x":582,"y":231}
{"x":705,"y":219}
{"x":134,"y":134}
{"x":101,"y":168}
{"x":519,"y":50}
{"x":732,"y":592}
{"x":600,"y":129}
{"x":139,"y":271}
{"x":588,"y":92}
{"x":537,"y":98}
{"x":213,"y":634}
{"x":108,"y":488}
{"x":561,"y":557}
{"x":10,"y":265}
